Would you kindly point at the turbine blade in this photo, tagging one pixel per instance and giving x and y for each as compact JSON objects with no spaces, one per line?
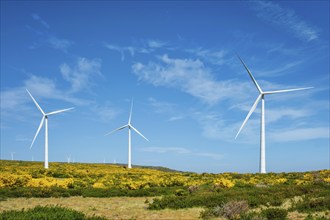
{"x":59,"y":111}
{"x":251,"y":76}
{"x":122,"y":127}
{"x":130,"y":114}
{"x":138,"y":132}
{"x":35,"y":102}
{"x":35,"y":136}
{"x":287,"y":90}
{"x":249,"y":114}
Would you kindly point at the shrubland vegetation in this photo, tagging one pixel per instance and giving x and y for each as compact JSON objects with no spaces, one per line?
{"x":229,"y":195}
{"x":47,"y":212}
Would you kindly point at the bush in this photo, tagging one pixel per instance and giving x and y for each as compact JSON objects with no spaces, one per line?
{"x":193,"y":189}
{"x":230,"y":210}
{"x":275,"y":213}
{"x":14,"y":192}
{"x":211,"y":213}
{"x":179,"y":202}
{"x":181,"y":192}
{"x":311,"y":217}
{"x":252,"y":216}
{"x":28,"y":192}
{"x":46,"y":212}
{"x":234,"y":209}
{"x":312,"y":205}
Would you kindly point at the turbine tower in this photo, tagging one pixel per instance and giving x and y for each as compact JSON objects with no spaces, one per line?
{"x":129,"y":126}
{"x":262,"y":166}
{"x":44,"y":120}
{"x":12,"y":155}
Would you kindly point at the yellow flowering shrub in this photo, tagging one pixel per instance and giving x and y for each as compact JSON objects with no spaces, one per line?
{"x":280,"y":180}
{"x":327,"y":179}
{"x":99,"y":185}
{"x":9,"y":180}
{"x":223,"y":183}
{"x":76,"y":175}
{"x":49,"y":182}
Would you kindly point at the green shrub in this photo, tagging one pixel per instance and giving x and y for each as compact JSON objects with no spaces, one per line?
{"x":181,"y":192}
{"x":255,"y":197}
{"x":309,"y":204}
{"x":275,"y":213}
{"x":210,"y":213}
{"x":179,"y":202}
{"x":14,"y":192}
{"x":311,"y":217}
{"x":46,"y":212}
{"x":252,"y":216}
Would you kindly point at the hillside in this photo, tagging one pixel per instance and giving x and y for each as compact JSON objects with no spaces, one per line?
{"x":305,"y":192}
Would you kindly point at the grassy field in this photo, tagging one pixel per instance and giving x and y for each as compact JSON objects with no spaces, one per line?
{"x":111,"y":208}
{"x":122,"y":208}
{"x":115,"y":192}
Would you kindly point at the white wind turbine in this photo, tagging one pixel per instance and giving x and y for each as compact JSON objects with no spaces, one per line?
{"x":129,"y":126}
{"x":261,"y":96}
{"x":12,"y":155}
{"x":44,"y":119}
{"x":68,"y":158}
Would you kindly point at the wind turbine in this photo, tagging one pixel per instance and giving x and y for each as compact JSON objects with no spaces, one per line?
{"x":68,"y":158}
{"x":44,"y":120}
{"x":129,"y":126}
{"x":262,"y":166}
{"x":12,"y":155}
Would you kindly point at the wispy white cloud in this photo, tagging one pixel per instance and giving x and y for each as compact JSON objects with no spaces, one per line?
{"x":105,"y":112}
{"x":286,"y":18}
{"x":214,"y":57}
{"x":16,"y":103}
{"x":21,"y":138}
{"x":81,"y":74}
{"x":214,"y":126}
{"x":36,"y":17}
{"x":161,"y":106}
{"x":170,"y":109}
{"x":176,"y":118}
{"x":175,"y":150}
{"x":149,"y":47}
{"x":300,"y":134}
{"x":156,"y":44}
{"x":276,"y":114}
{"x":16,"y":98}
{"x":279,"y":70}
{"x":180,"y":150}
{"x":59,"y":44}
{"x":213,"y":156}
{"x":46,"y":38}
{"x":217,"y":125}
{"x":190,"y":76}
{"x":121,"y":50}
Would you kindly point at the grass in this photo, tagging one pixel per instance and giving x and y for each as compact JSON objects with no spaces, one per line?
{"x":111,"y":208}
{"x":121,"y":208}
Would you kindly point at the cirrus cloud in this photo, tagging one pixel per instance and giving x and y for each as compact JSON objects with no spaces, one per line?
{"x":285,"y":18}
{"x":190,"y":76}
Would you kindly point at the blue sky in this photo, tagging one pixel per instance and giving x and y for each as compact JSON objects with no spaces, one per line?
{"x":178,"y":61}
